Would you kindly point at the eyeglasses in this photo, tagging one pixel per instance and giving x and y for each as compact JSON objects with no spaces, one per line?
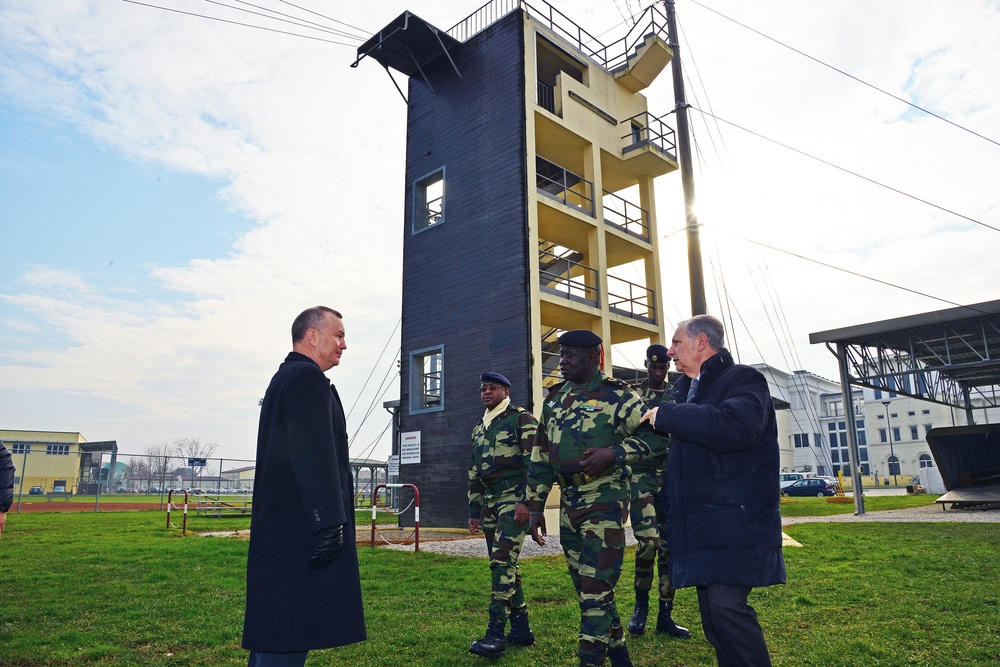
{"x":491,"y":387}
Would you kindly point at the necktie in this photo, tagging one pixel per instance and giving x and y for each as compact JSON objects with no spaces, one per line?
{"x":692,"y":390}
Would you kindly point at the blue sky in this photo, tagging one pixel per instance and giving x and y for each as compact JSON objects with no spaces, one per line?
{"x":65,"y":198}
{"x":174,"y":190}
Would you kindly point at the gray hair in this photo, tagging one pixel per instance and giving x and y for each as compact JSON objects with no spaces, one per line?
{"x":708,"y":325}
{"x":310,"y":318}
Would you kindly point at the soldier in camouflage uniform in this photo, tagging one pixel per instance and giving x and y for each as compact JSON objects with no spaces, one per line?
{"x":502,"y":442}
{"x":587,"y":437}
{"x":647,"y":516}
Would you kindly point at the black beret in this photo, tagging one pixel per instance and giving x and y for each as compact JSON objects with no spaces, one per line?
{"x":495,"y":377}
{"x":580,"y":338}
{"x":657,"y":354}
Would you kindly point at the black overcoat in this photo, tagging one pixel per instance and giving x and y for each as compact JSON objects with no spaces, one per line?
{"x":302,"y":484}
{"x":721,"y":494}
{"x":6,"y":478}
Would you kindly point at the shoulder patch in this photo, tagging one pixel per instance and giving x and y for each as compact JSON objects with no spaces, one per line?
{"x":616,"y":382}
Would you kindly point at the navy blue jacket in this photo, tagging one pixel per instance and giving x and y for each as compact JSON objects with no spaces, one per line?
{"x":302,"y":485}
{"x":721,"y":496}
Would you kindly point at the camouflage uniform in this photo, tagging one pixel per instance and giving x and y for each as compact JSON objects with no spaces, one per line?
{"x":603,"y":412}
{"x":497,"y":480}
{"x":646,"y":514}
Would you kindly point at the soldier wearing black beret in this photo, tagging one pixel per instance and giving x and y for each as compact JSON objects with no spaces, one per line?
{"x":589,"y":434}
{"x":501,"y":447}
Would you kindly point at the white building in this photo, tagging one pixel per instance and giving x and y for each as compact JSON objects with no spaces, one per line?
{"x":892,"y":428}
{"x":816,"y":438}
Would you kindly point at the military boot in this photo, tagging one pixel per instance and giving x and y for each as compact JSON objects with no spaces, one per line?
{"x":493,"y":645}
{"x":666,"y":624}
{"x":520,"y":633}
{"x":619,"y":656}
{"x":637,"y":624}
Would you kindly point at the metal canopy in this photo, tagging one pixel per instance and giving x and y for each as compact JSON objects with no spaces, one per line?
{"x":408,"y":44}
{"x":948,"y":356}
{"x":100,"y":446}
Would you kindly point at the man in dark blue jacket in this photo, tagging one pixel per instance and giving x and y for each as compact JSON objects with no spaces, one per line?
{"x":303,"y":584}
{"x":721,"y":492}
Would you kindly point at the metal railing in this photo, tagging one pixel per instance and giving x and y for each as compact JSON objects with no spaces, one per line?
{"x":433,"y":211}
{"x":550,"y":366}
{"x":609,"y":56}
{"x":545,"y":13}
{"x":546,"y":97}
{"x":648,"y":130}
{"x":616,"y":54}
{"x":563,"y":185}
{"x":550,"y":357}
{"x":565,"y":277}
{"x":631,"y":300}
{"x":625,"y":215}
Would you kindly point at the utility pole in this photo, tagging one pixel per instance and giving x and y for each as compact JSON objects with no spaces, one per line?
{"x":695,"y":274}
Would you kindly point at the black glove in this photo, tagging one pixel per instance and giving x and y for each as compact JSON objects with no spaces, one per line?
{"x":329,"y":542}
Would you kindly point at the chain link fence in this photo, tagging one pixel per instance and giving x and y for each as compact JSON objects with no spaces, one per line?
{"x":57,"y":473}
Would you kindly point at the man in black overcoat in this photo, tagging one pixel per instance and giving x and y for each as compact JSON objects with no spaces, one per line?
{"x":303,"y":583}
{"x":720,"y":495}
{"x":6,"y":484}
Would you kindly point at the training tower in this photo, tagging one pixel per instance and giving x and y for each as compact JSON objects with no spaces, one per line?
{"x":529,"y":210}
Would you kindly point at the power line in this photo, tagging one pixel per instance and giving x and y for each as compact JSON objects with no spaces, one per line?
{"x":620,"y":12}
{"x":850,"y":76}
{"x":384,"y":386}
{"x":246,"y":25}
{"x":328,"y":18}
{"x":848,"y":271}
{"x":293,"y":19}
{"x":375,"y":365}
{"x":848,"y":171}
{"x":689,"y":54}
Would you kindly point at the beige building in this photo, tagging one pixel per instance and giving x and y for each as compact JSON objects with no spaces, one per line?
{"x":239,"y":478}
{"x":57,"y":461}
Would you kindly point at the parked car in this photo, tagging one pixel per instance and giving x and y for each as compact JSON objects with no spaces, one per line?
{"x":831,"y":480}
{"x":811,"y":486}
{"x":36,"y":491}
{"x":787,"y":478}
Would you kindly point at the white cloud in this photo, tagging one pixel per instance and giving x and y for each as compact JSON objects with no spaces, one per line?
{"x":311,"y":152}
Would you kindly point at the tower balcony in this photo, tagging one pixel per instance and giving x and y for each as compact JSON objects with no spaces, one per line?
{"x":630,"y":300}
{"x":648,"y":148}
{"x":626,"y":216}
{"x":628,"y":237}
{"x":567,"y":214}
{"x":564,"y":186}
{"x":561,"y":274}
{"x":637,"y":57}
{"x":577,"y":291}
{"x":638,"y":146}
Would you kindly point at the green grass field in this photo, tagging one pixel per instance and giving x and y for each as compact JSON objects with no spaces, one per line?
{"x":118,"y":588}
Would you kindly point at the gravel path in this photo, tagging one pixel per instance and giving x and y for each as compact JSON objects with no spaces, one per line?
{"x":926,"y":513}
{"x":475,"y":547}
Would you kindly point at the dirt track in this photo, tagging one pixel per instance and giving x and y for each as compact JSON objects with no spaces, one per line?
{"x":64,"y":506}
